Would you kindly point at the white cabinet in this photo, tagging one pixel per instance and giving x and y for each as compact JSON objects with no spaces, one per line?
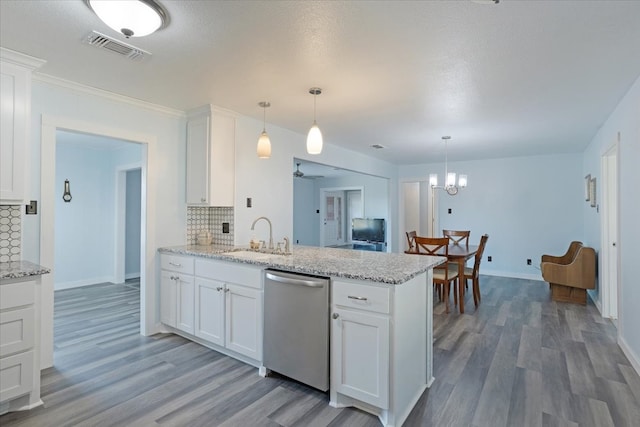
{"x":19,"y":344}
{"x":210,"y":301}
{"x":15,"y":115}
{"x":177,"y":292}
{"x":210,"y":157}
{"x":229,"y":306}
{"x":360,"y":342}
{"x":244,"y":321}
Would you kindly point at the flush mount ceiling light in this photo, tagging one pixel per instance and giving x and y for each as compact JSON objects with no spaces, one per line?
{"x":132,"y":18}
{"x":314,"y":138}
{"x":450,"y":177}
{"x":264,"y":144}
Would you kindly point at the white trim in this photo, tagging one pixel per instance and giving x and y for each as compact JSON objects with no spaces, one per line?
{"x":78,"y":87}
{"x":20,"y":59}
{"x":148,"y":291}
{"x":120,"y":213}
{"x":513,"y":275}
{"x":626,"y":349}
{"x":131,"y":276}
{"x":607,"y":295}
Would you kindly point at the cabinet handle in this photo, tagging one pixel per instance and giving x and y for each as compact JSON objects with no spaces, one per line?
{"x":335,"y":315}
{"x":174,"y":264}
{"x":202,"y":199}
{"x":226,"y":290}
{"x":357,"y":298}
{"x":219,"y":288}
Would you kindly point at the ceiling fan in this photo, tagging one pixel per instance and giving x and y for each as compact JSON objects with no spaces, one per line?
{"x":299,"y":174}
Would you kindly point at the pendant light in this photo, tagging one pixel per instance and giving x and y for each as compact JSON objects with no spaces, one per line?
{"x":450,"y":177}
{"x":314,"y":138}
{"x":264,"y":144}
{"x":132,"y":18}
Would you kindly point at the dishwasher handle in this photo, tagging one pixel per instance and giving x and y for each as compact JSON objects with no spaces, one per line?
{"x":310,"y":282}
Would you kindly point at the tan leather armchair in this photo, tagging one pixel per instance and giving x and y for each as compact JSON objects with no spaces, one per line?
{"x":571,"y":274}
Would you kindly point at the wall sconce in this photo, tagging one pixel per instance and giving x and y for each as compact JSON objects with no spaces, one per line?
{"x":67,"y":191}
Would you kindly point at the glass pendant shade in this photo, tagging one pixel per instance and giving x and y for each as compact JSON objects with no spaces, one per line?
{"x":314,"y":139}
{"x":264,"y":145}
{"x":133,"y":18}
{"x":433,"y":180}
{"x":451,"y":179}
{"x":462,"y":181}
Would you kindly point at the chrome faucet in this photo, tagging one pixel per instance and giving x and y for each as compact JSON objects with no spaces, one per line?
{"x":270,"y":229}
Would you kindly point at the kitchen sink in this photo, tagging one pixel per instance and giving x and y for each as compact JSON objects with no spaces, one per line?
{"x":250,"y":255}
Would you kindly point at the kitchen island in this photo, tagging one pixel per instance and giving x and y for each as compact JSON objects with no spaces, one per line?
{"x":381,"y":331}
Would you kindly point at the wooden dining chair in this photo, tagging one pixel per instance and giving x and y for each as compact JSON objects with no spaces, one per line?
{"x":473,"y":274}
{"x":410,"y":236}
{"x":443,"y":274}
{"x":457,"y":236}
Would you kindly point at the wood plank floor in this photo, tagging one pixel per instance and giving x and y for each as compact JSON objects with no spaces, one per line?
{"x":518,"y":360}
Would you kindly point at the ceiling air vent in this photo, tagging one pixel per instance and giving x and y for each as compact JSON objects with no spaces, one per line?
{"x":101,"y":41}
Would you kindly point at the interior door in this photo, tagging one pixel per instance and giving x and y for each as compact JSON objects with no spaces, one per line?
{"x":609,"y":281}
{"x":333,"y":218}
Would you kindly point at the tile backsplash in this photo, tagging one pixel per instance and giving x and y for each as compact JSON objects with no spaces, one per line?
{"x":10,"y":233}
{"x":209,"y":219}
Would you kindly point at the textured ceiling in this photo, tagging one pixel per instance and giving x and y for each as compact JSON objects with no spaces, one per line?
{"x":517,"y":78}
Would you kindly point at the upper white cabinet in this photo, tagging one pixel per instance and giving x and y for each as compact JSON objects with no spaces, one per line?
{"x":210,"y":157}
{"x":15,"y":93}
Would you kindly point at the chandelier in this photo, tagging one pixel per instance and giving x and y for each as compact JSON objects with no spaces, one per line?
{"x":450,"y":185}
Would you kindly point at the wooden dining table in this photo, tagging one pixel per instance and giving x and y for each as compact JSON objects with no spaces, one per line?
{"x":458,"y":254}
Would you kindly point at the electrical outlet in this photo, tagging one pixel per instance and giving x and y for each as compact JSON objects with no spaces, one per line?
{"x":528,"y":261}
{"x":225,"y":227}
{"x":489,"y":258}
{"x":248,"y":202}
{"x":449,"y":210}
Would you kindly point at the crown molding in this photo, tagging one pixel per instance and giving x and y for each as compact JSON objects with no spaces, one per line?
{"x":21,"y":59}
{"x":79,"y":87}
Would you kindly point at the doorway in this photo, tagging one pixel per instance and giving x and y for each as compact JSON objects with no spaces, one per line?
{"x":148,"y":294}
{"x":337,"y":207}
{"x":609,"y":226}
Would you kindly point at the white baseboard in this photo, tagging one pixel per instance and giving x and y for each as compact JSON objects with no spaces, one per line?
{"x":131,"y":276}
{"x":84,"y":282}
{"x":633,"y":358}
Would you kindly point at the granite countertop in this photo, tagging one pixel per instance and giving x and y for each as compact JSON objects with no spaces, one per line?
{"x":390,"y":268}
{"x":18,"y":269}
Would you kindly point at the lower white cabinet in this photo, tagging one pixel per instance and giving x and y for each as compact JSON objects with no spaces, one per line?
{"x":210,"y":299}
{"x":360,"y":345}
{"x":19,"y":344}
{"x":177,"y":293}
{"x":221,"y":303}
{"x":244,"y":321}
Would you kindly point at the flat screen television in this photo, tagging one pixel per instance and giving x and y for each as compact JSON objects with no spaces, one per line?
{"x":367,"y":229}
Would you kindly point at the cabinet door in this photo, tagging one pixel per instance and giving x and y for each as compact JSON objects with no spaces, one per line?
{"x":14,"y":105}
{"x":16,"y":375}
{"x":168,"y":298}
{"x":186,"y":300}
{"x":210,"y":310}
{"x":244,"y":321}
{"x":360,"y":356}
{"x":198,"y":155}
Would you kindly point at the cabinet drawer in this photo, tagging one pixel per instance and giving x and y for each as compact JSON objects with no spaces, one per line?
{"x":230,"y":272}
{"x":180,"y":264}
{"x":363,"y":297}
{"x":16,"y":375}
{"x":17,"y":294}
{"x":16,"y":331}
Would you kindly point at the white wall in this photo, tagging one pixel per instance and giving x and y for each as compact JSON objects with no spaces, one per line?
{"x":626,"y":120}
{"x":270,"y":182}
{"x":529,"y":206}
{"x":85,"y":227}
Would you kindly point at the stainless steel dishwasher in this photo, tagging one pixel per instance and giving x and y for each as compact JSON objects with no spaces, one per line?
{"x":296,"y":327}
